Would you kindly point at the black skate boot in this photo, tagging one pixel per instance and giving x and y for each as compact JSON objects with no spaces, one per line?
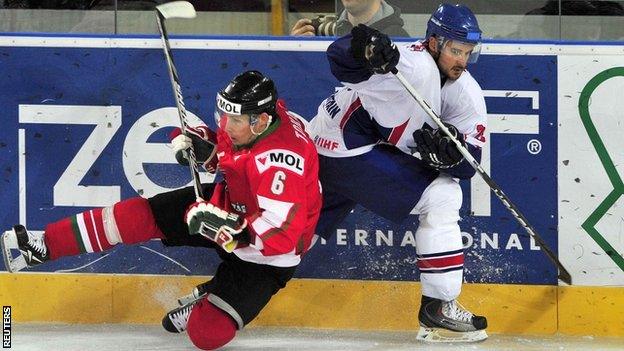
{"x":31,"y":245}
{"x":199,"y":291}
{"x":175,"y":321}
{"x":448,"y":321}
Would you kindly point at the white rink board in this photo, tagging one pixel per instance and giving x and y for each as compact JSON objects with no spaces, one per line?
{"x":583,"y":179}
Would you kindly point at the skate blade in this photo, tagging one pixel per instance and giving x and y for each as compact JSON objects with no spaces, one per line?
{"x":194,"y":296}
{"x":440,"y":335}
{"x":186,"y":299}
{"x":13,"y":259}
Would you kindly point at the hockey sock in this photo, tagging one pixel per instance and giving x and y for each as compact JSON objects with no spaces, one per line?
{"x":209,"y":327}
{"x":440,"y":255}
{"x":130,"y":221}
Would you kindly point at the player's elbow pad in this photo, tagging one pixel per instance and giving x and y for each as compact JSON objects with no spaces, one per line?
{"x":344,"y":66}
{"x":464,"y":169}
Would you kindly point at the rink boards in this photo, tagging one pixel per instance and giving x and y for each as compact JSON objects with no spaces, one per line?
{"x":316,"y":303}
{"x":86,"y":122}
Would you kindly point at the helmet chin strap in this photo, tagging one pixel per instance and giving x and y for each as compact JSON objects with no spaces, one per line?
{"x":251,"y":125}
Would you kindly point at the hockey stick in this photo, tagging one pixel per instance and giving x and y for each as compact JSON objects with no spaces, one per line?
{"x":178,"y":9}
{"x":564,"y":275}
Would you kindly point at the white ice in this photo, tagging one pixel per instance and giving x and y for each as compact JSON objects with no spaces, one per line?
{"x":117,"y":337}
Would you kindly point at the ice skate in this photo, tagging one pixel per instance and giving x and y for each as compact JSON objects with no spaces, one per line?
{"x":199,"y":291}
{"x":30,"y":245}
{"x":175,"y":321}
{"x":448,"y":321}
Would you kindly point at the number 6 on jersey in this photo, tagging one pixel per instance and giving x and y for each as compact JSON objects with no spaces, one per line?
{"x":277,"y":187}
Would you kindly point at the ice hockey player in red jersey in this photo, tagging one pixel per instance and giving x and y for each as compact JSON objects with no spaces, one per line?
{"x":266,"y":180}
{"x":260,"y":218}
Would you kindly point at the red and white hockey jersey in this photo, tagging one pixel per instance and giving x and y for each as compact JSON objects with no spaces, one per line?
{"x":274,"y":185}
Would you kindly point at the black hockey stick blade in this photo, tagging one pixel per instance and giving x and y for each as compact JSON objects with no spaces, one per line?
{"x":565,"y":276}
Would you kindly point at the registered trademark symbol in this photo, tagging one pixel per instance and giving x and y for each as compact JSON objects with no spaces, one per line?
{"x":534,"y":146}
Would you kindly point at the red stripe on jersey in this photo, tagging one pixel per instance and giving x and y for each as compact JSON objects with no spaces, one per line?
{"x":300,"y":246}
{"x":354,"y":106}
{"x":271,"y":232}
{"x":99,"y":227}
{"x":441,"y":262}
{"x":88,"y":221}
{"x":397,"y":132}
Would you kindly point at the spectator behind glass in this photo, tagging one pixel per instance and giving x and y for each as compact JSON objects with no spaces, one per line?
{"x":377,"y":14}
{"x":580,"y":8}
{"x":49,"y":4}
{"x":81,"y":4}
{"x":585,"y":30}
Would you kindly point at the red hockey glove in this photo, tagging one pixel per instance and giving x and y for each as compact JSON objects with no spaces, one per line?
{"x":226,"y":229}
{"x":204,"y":143}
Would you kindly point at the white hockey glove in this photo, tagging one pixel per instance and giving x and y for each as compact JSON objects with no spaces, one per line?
{"x":436,"y":148}
{"x":204,"y":143}
{"x":226,"y":229}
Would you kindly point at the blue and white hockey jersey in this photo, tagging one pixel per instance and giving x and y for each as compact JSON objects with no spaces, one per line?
{"x":372,"y":109}
{"x":378,"y":109}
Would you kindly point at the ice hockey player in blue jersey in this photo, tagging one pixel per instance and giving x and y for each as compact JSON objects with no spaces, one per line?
{"x":379,"y":149}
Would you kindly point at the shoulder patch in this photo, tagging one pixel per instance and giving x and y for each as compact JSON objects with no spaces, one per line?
{"x":280,"y":158}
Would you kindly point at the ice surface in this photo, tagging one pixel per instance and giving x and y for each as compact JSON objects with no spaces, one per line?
{"x":117,"y":337}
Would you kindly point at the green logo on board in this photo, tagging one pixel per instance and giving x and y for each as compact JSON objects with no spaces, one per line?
{"x":618,"y":186}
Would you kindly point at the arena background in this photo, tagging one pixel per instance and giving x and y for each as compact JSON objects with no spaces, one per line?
{"x":85,"y":124}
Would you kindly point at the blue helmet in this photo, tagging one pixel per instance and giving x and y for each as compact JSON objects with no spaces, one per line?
{"x":456,"y":22}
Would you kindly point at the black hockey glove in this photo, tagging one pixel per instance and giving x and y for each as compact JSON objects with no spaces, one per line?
{"x":376,"y":49}
{"x":226,"y":229}
{"x":436,"y":148}
{"x":204,"y":142}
